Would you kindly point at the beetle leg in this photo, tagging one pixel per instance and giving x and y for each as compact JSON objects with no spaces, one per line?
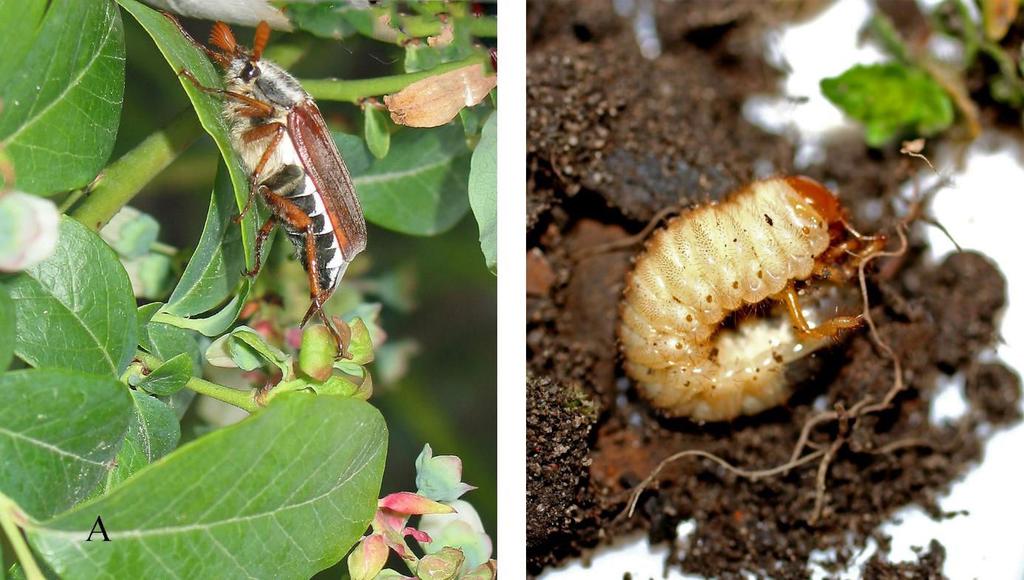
{"x":826,"y":329}
{"x":276,"y":131}
{"x":265,"y":109}
{"x":291,"y":214}
{"x":261,"y":236}
{"x":317,"y":294}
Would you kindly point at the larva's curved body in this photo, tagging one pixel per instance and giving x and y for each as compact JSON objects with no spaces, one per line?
{"x":701,"y":268}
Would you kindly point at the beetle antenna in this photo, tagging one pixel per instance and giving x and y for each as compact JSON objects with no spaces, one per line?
{"x":222,"y":37}
{"x":259,"y":41}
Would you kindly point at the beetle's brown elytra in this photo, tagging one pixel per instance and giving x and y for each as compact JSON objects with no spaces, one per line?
{"x":713,"y":261}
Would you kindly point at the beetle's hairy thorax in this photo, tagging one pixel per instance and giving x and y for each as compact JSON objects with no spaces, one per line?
{"x":273,"y":86}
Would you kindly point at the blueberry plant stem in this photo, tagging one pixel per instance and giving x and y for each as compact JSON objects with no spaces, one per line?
{"x":355,"y":90}
{"x":241,"y":399}
{"x":123,"y":179}
{"x":8,"y":511}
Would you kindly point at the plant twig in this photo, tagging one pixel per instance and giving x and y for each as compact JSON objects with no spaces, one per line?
{"x":17,"y":540}
{"x":123,"y":179}
{"x":354,"y":90}
{"x":241,"y":399}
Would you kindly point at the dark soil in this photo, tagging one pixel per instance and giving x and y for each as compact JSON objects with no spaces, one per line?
{"x":613,"y":139}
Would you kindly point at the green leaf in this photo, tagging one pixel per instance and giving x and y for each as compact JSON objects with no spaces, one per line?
{"x":182,"y":54}
{"x":222,"y":353}
{"x":216,"y":266}
{"x":59,"y":430}
{"x":170,"y":377}
{"x":375,"y":129}
{"x":325,"y":20}
{"x":891,"y":100}
{"x":283,"y":494}
{"x":166,"y":341}
{"x":483,"y":191}
{"x":61,"y":85}
{"x":246,"y":349}
{"x":152,"y":433}
{"x":421,"y":57}
{"x":76,"y":309}
{"x":214,"y":324}
{"x":7,"y":328}
{"x":357,"y":157}
{"x":360,"y":345}
{"x":420,"y":187}
{"x":266,"y":351}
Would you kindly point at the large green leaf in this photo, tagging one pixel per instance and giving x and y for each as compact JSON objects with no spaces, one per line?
{"x":182,"y":54}
{"x":152,"y":433}
{"x":214,"y":270}
{"x":7,"y":328}
{"x":61,"y":85}
{"x":283,"y":494}
{"x":59,"y":431}
{"x":76,"y":309}
{"x":420,"y":187}
{"x":483,"y":190}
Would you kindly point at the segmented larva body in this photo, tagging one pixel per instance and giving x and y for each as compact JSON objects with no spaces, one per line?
{"x":705,"y":265}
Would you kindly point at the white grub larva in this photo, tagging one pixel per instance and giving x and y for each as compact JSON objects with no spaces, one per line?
{"x":708,"y":266}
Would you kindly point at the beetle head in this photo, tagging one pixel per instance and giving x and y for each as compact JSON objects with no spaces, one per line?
{"x":235,"y":58}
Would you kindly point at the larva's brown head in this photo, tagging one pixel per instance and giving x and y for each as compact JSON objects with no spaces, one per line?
{"x":819,"y":197}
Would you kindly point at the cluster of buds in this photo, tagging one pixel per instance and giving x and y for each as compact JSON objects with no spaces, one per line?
{"x":449,"y":531}
{"x":28,"y":230}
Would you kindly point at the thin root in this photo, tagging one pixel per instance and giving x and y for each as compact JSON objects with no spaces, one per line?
{"x":756,"y":474}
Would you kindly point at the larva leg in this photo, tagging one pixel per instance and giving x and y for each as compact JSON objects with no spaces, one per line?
{"x":261,"y":236}
{"x":275,"y":131}
{"x":826,"y":329}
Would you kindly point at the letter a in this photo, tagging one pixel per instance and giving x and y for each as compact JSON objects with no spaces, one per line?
{"x":102,"y":530}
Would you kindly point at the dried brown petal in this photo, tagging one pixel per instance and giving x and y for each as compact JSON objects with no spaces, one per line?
{"x":998,"y":15}
{"x":434,"y":101}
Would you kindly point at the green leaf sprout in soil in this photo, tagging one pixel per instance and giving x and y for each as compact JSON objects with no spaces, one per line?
{"x":147,"y":382}
{"x":890,"y":100}
{"x":920,"y":91}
